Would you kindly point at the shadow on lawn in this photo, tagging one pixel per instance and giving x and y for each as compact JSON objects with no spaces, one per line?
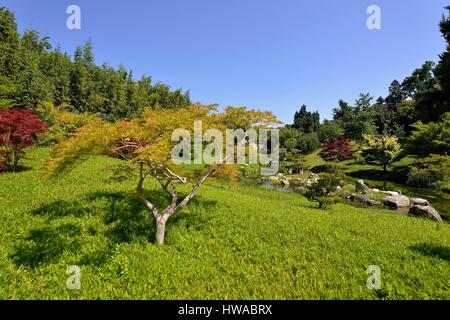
{"x":128,"y":220}
{"x":436,"y":251}
{"x":396,"y":174}
{"x":46,"y":245}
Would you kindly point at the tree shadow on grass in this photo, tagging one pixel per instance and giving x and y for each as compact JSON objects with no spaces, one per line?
{"x":61,"y":208}
{"x":46,"y":245}
{"x":20,"y":168}
{"x":431,"y":250}
{"x":132,"y":221}
{"x":128,"y":220}
{"x":398,"y":174}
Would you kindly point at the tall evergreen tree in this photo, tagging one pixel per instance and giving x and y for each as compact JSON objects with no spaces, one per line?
{"x":306,"y":121}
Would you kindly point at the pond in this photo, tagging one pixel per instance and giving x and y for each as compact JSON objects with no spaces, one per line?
{"x":273,"y":187}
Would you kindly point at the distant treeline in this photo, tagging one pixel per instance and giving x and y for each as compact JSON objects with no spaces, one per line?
{"x":31,"y":72}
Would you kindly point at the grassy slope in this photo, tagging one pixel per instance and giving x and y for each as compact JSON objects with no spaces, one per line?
{"x":245,"y":243}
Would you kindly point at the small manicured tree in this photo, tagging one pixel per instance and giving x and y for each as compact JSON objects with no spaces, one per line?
{"x":337,"y":149}
{"x":381,"y":150}
{"x":147,"y":144}
{"x":18,"y":130}
{"x":293,"y":162}
{"x":323,"y":190}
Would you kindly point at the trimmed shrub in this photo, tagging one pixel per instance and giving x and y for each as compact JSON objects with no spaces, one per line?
{"x":323,"y":190}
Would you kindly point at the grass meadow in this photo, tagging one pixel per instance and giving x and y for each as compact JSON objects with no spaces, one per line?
{"x":240,"y":242}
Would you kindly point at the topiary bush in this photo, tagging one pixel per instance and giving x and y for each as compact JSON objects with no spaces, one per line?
{"x":323,"y":190}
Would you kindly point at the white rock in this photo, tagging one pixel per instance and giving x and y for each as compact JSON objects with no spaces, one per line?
{"x":391,"y":193}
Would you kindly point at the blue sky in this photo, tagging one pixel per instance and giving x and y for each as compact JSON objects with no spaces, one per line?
{"x":271,"y":55}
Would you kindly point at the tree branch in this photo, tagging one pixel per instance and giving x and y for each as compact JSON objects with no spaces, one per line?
{"x":152,"y":207}
{"x":194,"y":189}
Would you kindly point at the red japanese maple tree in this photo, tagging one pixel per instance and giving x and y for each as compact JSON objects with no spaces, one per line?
{"x":18,"y":130}
{"x":337,"y":149}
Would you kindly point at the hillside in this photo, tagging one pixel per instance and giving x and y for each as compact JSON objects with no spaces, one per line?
{"x":251,"y":244}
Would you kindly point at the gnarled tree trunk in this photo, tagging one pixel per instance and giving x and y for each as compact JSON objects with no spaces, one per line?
{"x":162,"y":217}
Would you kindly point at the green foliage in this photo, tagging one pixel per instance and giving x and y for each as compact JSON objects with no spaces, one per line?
{"x":291,"y":138}
{"x":62,"y":123}
{"x":329,"y":130}
{"x":381,"y":150}
{"x":330,"y":167}
{"x":430,"y":171}
{"x":8,"y":92}
{"x":323,"y":190}
{"x":396,"y":95}
{"x":308,"y":143}
{"x":305,"y":121}
{"x":433,"y":102}
{"x":293,"y":163}
{"x":430,"y":138}
{"x":355,"y":121}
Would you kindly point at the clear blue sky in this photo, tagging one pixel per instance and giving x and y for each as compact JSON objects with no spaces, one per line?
{"x":272,"y":55}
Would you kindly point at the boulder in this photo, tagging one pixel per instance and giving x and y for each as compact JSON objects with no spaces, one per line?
{"x":360,"y":186}
{"x":361,"y":198}
{"x":391,"y":193}
{"x":396,"y":201}
{"x":376,"y":190}
{"x":273,"y":178}
{"x":285,"y":183}
{"x":345,"y":194}
{"x":425,"y":212}
{"x":420,"y":202}
{"x":371,"y":202}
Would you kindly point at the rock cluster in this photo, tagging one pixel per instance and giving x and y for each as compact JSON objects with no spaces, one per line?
{"x":417,"y":207}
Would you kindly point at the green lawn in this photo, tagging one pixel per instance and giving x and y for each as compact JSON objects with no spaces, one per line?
{"x":242,"y":243}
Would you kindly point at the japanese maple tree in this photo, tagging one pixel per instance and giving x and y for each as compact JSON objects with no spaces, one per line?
{"x":337,"y":149}
{"x":147,"y":144}
{"x":18,"y":130}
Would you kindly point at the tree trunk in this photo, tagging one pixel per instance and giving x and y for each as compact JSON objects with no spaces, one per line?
{"x":141,"y":178}
{"x":161,"y":228}
{"x":160,"y":232}
{"x":15,"y":160}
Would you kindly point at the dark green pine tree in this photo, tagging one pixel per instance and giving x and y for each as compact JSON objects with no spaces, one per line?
{"x":306,"y":121}
{"x":395,"y":96}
